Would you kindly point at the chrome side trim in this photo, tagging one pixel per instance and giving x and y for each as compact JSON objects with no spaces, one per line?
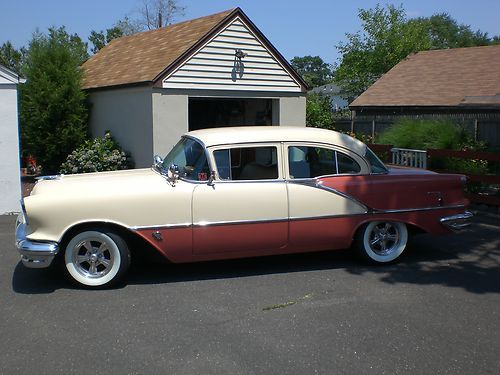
{"x":162,"y":226}
{"x":237,"y":222}
{"x":418,"y":209}
{"x":314,"y":183}
{"x":457,"y":222}
{"x":34,"y":254}
{"x":293,"y":218}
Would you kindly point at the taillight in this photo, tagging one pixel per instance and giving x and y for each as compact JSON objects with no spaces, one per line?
{"x":464,"y":180}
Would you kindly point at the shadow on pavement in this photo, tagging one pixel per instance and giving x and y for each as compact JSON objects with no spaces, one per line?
{"x":469,"y":260}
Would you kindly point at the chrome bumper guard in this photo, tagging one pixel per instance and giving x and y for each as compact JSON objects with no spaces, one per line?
{"x":457,"y":222}
{"x":34,"y":254}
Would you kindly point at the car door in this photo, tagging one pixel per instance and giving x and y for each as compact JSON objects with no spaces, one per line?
{"x":319,"y":216}
{"x":244,"y":211}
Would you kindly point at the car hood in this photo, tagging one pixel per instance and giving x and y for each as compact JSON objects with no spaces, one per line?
{"x":96,"y":183}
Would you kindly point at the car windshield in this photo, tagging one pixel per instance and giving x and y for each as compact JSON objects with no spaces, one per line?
{"x":191,"y":159}
{"x":376,"y":165}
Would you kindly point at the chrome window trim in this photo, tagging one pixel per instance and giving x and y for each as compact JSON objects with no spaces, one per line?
{"x":336,"y":148}
{"x":210,"y":166}
{"x":279,"y":161}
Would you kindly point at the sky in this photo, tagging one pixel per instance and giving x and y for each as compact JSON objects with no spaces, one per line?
{"x":295,"y":28}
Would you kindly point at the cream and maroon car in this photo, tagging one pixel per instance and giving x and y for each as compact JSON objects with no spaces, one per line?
{"x":237,"y":192}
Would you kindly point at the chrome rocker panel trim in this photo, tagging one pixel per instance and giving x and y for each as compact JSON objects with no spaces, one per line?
{"x":457,"y":222}
{"x":34,"y":254}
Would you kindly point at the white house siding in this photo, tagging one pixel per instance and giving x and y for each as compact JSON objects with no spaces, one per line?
{"x":10,"y":180}
{"x":214,"y":66}
{"x":128,"y":114}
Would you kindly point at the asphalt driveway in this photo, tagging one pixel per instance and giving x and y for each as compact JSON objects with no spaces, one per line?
{"x":435,"y":312}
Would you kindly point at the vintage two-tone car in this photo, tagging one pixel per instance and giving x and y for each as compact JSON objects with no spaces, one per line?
{"x":237,"y":192}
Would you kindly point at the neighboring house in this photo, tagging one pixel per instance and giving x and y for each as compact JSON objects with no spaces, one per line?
{"x":219,"y":70}
{"x":10,"y":179}
{"x":461,"y":84}
{"x":334,"y":93}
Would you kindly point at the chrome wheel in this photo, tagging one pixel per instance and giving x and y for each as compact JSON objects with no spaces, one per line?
{"x":383,"y":238}
{"x":94,"y":258}
{"x":383,"y":241}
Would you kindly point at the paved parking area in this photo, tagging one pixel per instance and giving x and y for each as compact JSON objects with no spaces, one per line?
{"x":435,"y":312}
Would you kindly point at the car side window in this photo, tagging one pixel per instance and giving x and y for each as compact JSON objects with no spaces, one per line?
{"x":247,"y":163}
{"x":347,"y":164}
{"x":310,"y":162}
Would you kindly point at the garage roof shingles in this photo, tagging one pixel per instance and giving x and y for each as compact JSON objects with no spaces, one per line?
{"x":142,"y":57}
{"x":437,"y":78}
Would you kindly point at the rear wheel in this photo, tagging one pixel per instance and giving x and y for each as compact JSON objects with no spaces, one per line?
{"x":97,"y":258}
{"x":381,"y":241}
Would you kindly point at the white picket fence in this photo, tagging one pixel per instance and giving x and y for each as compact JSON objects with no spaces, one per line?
{"x":409,"y":157}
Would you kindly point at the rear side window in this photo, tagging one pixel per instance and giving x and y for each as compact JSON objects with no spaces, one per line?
{"x":247,"y":163}
{"x":310,"y":162}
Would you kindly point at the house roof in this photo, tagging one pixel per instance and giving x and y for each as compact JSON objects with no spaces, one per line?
{"x":8,"y":76}
{"x":148,"y":56}
{"x":439,"y":78}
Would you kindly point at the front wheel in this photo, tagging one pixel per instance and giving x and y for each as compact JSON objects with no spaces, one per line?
{"x":97,"y":259}
{"x":381,"y":241}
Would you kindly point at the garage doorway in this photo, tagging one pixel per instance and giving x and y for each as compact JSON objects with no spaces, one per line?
{"x":221,"y":112}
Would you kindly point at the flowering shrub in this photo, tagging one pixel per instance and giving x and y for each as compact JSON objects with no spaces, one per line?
{"x":96,"y":155}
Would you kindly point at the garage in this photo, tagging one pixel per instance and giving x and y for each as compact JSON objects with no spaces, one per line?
{"x":149,"y":88}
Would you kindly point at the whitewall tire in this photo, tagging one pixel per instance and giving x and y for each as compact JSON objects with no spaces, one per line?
{"x":95,"y":258}
{"x":382,"y":241}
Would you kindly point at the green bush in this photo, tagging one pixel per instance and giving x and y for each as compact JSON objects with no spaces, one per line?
{"x":97,"y":155}
{"x":53,"y":108}
{"x":319,"y":111}
{"x":422,"y":135}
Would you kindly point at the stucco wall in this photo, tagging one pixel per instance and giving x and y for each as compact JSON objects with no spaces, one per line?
{"x":292,"y":111}
{"x":127,"y":113}
{"x":149,"y":121}
{"x":170,"y":120}
{"x":10,"y":185}
{"x":170,"y":112}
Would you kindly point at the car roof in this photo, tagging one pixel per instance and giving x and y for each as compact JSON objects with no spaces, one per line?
{"x":249,"y":134}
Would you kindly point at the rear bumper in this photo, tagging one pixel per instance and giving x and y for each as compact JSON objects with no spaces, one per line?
{"x":34,"y":254}
{"x":458,"y":221}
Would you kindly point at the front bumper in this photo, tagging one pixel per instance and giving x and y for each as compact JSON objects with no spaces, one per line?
{"x":34,"y":254}
{"x":458,"y":221}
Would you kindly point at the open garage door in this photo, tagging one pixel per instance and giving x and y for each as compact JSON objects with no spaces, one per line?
{"x":221,"y":112}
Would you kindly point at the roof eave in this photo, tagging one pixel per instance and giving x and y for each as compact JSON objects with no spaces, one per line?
{"x":118,"y":86}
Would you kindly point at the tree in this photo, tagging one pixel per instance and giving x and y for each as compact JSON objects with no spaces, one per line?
{"x":313,"y":70}
{"x":319,"y":111}
{"x":11,"y":58}
{"x":101,"y":38}
{"x":445,"y":32}
{"x":53,"y":108}
{"x":159,"y":13}
{"x":386,"y":39}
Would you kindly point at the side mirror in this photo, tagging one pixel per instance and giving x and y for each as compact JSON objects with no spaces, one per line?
{"x":211,"y":178}
{"x":157,"y":161}
{"x":173,"y":173}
